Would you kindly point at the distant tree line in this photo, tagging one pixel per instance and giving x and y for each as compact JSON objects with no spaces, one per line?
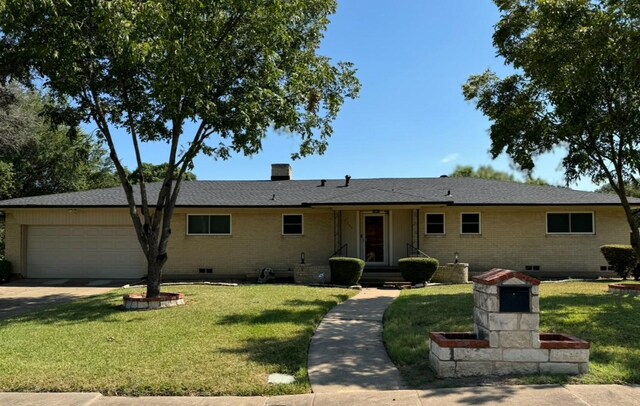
{"x":488,"y":172}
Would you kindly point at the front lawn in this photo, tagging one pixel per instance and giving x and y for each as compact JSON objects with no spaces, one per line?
{"x":584,"y":309}
{"x":225,"y":341}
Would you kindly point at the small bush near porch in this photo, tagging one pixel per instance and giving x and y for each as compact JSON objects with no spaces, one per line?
{"x":582,"y":309}
{"x":224,"y":341}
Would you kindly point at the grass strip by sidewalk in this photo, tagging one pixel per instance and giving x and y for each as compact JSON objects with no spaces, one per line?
{"x":583,"y":309}
{"x":224,"y":341}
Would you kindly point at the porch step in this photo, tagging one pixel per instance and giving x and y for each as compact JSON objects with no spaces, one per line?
{"x":381,"y":276}
{"x":397,"y":285}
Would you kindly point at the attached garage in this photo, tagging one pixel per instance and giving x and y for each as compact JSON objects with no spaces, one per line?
{"x":84,"y":252}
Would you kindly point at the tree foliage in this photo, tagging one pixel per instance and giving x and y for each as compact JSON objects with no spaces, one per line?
{"x":17,"y":119}
{"x":156,"y":173}
{"x":42,"y":158}
{"x":488,"y":172}
{"x":576,"y":85}
{"x":206,"y":77}
{"x":632,"y":189}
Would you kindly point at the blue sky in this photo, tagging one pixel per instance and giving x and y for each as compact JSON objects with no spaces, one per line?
{"x":411,"y":119}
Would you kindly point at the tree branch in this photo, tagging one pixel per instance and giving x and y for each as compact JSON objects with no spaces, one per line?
{"x":136,"y":147}
{"x":99,"y":117}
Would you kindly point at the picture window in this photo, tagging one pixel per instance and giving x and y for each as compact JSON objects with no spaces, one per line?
{"x":217,"y":224}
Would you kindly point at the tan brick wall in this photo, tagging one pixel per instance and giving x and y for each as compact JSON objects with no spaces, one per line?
{"x":513,"y":237}
{"x":256,"y":239}
{"x":256,"y":242}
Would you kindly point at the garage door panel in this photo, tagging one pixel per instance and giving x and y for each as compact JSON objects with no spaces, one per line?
{"x":83,"y":252}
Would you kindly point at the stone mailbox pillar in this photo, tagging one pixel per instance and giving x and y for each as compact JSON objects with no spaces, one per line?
{"x":507,"y":309}
{"x":506,"y":339}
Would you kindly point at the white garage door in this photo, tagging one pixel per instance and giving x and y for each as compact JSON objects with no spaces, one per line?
{"x":84,"y":252}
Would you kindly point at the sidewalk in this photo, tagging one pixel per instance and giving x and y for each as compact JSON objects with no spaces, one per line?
{"x":542,"y":395}
{"x":347,"y":352}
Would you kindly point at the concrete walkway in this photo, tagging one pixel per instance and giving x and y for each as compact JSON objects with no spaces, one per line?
{"x":540,"y":395}
{"x":347,"y":352}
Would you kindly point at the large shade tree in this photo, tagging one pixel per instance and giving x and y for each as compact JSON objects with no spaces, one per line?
{"x":576,"y":86}
{"x":203,"y":76}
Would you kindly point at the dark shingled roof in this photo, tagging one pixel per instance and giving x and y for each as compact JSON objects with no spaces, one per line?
{"x":295,"y":193}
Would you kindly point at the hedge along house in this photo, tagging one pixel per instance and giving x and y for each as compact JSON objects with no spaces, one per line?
{"x":231,"y":229}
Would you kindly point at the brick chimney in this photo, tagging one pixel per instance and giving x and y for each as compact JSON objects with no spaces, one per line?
{"x":280,"y":172}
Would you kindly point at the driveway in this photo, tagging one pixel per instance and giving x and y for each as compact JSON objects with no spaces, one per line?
{"x":27,"y":295}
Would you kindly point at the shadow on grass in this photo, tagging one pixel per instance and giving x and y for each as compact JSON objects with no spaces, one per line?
{"x":441,"y":312}
{"x":73,"y":310}
{"x":283,"y":354}
{"x":291,"y":311}
{"x":286,"y":355}
{"x":408,"y":322}
{"x":609,"y":322}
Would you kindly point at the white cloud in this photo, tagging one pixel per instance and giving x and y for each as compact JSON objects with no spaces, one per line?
{"x":450,"y":158}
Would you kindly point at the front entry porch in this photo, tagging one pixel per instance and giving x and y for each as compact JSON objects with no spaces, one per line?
{"x":378,"y":237}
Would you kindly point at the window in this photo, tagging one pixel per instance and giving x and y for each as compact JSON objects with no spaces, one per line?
{"x":569,"y":223}
{"x":470,"y":223}
{"x":435,"y":223}
{"x":292,"y":224}
{"x":218,"y":224}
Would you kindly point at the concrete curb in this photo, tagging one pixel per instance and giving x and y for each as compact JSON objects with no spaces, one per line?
{"x":539,"y":395}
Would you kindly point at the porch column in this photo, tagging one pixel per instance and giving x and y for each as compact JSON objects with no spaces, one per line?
{"x":337,"y":229}
{"x":415,"y":228}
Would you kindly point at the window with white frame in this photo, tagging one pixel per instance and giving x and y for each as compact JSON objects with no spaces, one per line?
{"x":570,"y":223}
{"x":470,"y":223}
{"x":292,"y":224}
{"x":434,"y":223}
{"x":210,"y":224}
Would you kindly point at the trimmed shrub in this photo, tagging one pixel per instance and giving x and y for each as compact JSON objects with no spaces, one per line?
{"x":5,"y":270}
{"x":345,"y":271}
{"x":622,"y":258}
{"x":417,"y":269}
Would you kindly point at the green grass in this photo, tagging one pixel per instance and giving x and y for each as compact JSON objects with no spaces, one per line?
{"x":224,"y":341}
{"x":584,"y":309}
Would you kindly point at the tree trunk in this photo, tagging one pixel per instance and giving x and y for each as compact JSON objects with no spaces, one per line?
{"x":154,"y":274}
{"x":633,"y":225}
